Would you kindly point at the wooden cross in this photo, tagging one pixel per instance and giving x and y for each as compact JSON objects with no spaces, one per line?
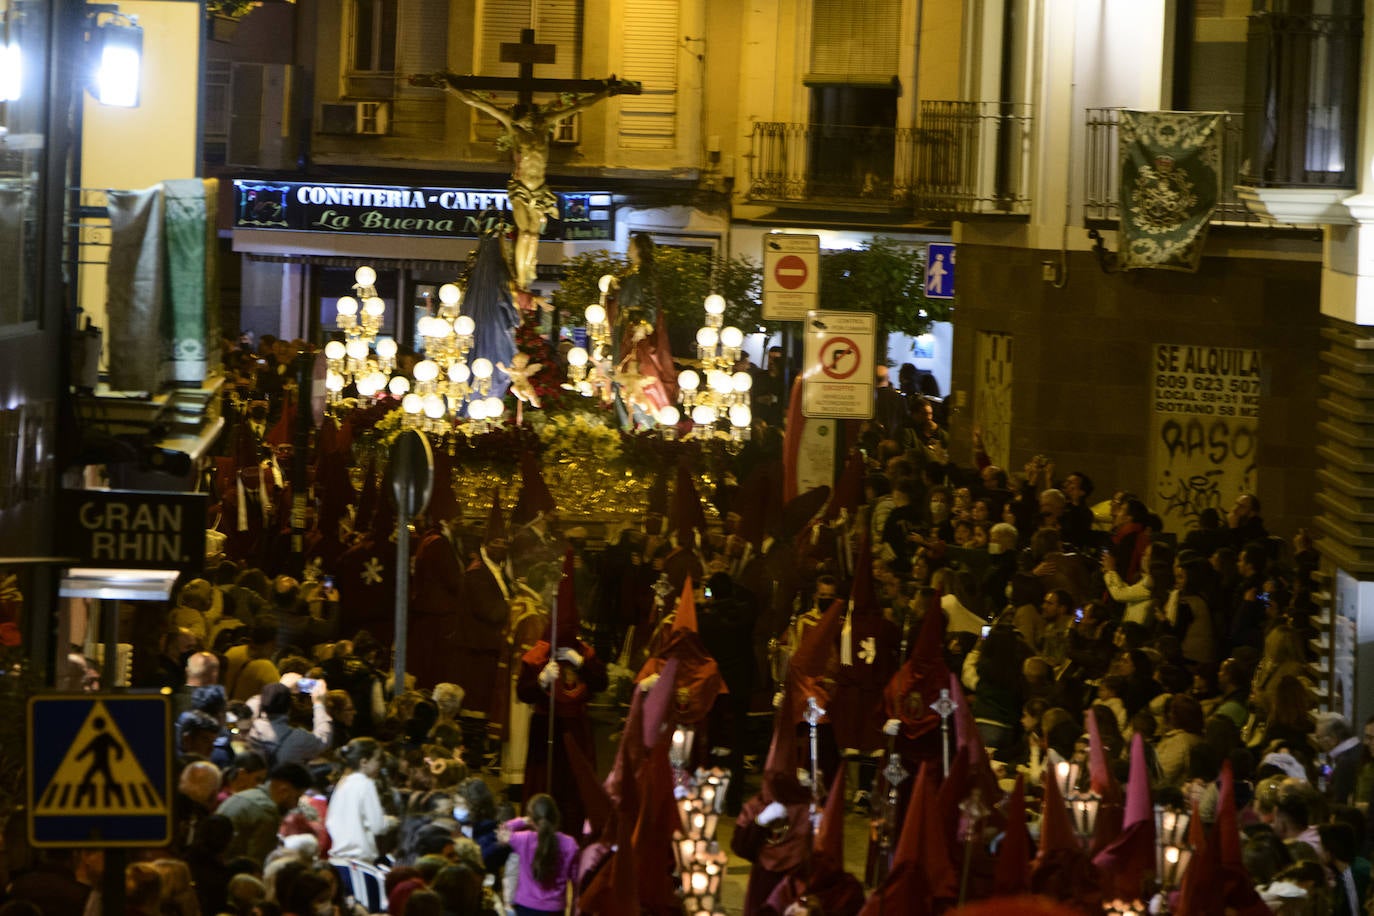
{"x":527,"y":52}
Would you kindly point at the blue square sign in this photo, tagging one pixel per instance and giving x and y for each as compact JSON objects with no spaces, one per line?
{"x":100,"y":770}
{"x":940,"y":270}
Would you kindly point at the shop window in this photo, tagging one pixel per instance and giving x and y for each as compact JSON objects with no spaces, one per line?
{"x":374,"y":35}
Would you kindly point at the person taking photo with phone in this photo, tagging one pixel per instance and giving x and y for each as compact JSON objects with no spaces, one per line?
{"x":272,"y":733}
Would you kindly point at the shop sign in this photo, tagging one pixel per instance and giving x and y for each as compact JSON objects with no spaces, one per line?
{"x":393,"y":210}
{"x":133,"y":529}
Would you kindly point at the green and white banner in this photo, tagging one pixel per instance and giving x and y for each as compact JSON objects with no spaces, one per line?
{"x":1170,"y":174}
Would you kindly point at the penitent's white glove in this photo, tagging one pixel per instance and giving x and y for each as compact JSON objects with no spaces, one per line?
{"x":771,"y":814}
{"x":571,"y":656}
{"x":648,"y":683}
{"x":892,"y":726}
{"x":548,"y":675}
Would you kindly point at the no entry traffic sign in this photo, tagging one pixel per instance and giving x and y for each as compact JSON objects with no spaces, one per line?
{"x":791,"y":272}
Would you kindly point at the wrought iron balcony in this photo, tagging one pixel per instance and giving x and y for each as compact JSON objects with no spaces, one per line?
{"x":962,"y":159}
{"x":1102,"y":172}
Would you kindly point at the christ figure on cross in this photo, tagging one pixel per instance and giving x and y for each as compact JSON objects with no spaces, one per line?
{"x":529,"y":129}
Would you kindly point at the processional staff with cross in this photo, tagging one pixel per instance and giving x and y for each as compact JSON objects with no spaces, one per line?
{"x":529,"y":128}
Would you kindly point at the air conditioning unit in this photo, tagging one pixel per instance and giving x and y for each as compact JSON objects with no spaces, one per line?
{"x":568,"y":132}
{"x":356,"y":118}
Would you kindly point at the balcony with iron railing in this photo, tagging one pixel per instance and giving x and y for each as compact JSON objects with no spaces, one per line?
{"x":962,"y":159}
{"x":1102,"y":172}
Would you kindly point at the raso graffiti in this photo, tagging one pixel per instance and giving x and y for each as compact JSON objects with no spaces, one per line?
{"x":1204,"y":429}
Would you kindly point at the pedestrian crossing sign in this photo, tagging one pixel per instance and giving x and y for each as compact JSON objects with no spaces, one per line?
{"x":99,"y":770}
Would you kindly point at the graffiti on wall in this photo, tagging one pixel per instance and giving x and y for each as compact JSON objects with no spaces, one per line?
{"x":1204,"y":429}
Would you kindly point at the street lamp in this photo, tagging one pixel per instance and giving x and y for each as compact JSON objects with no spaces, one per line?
{"x":116,"y":43}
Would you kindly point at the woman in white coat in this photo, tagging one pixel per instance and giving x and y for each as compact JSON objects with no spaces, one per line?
{"x":355,"y":817}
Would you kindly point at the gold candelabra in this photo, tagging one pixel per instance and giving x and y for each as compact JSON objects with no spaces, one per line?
{"x":361,"y":358}
{"x":717,"y":392}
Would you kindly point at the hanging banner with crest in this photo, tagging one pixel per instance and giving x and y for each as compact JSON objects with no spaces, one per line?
{"x":1170,"y":176}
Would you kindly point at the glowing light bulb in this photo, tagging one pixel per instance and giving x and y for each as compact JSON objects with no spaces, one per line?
{"x":434,"y":406}
{"x":450,"y":294}
{"x":715,"y":304}
{"x":732,"y":337}
{"x":688,"y":380}
{"x":720,"y":382}
{"x":365,"y":385}
{"x":595,"y":314}
{"x":398,"y":386}
{"x":386,"y":348}
{"x":374,"y":307}
{"x":365,"y":276}
{"x":333,"y":381}
{"x":740,"y":415}
{"x":604,"y":284}
{"x":334,"y":350}
{"x":477,"y":409}
{"x":495,"y":407}
{"x":704,"y":415}
{"x":578,"y":357}
{"x":464,"y":326}
{"x":742,"y":381}
{"x":707,"y":337}
{"x":458,"y":373}
{"x":356,"y":349}
{"x":481,"y":367}
{"x":426,"y":370}
{"x":347,"y":305}
{"x":412,"y":403}
{"x":668,"y":415}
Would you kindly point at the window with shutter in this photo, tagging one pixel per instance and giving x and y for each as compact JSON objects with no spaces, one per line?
{"x":649,"y":121}
{"x":559,"y":23}
{"x":423,"y":36}
{"x":854,"y":41}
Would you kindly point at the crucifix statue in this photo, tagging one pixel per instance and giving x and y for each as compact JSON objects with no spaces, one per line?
{"x":529,"y":128}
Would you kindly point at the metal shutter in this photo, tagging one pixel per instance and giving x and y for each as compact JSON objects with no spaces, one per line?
{"x":422,"y":36}
{"x":854,"y":41}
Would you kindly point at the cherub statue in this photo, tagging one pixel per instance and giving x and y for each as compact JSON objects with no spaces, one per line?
{"x":635,"y":387}
{"x":519,"y":372}
{"x":601,"y":378}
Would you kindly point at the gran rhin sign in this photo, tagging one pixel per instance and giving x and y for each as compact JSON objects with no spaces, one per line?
{"x":392,"y":210}
{"x":128,"y":529}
